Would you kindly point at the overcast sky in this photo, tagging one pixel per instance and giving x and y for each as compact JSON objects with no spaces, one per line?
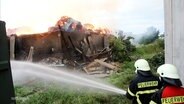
{"x":128,"y":15}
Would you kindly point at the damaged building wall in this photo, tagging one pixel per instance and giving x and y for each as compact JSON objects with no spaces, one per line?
{"x":44,"y":43}
{"x":59,"y":42}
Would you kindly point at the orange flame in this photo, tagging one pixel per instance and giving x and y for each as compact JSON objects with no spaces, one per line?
{"x":91,"y":28}
{"x":64,"y":20}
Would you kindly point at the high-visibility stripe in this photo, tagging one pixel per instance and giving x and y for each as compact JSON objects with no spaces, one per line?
{"x":144,"y":92}
{"x":132,"y":94}
{"x":147,"y":84}
{"x":147,"y":91}
{"x":171,"y":100}
{"x":152,"y":102}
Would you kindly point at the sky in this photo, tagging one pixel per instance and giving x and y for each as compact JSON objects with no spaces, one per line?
{"x":127,"y":15}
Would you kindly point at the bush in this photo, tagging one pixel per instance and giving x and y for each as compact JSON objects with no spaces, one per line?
{"x":157,"y":60}
{"x":121,"y":49}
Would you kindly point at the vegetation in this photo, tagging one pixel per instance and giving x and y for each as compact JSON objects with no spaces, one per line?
{"x":124,"y":52}
{"x":121,"y":48}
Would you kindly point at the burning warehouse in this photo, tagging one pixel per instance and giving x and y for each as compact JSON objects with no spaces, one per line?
{"x":60,"y":42}
{"x":67,"y":40}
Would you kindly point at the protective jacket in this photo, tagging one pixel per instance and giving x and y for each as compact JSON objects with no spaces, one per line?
{"x":142,"y":87}
{"x":169,"y":94}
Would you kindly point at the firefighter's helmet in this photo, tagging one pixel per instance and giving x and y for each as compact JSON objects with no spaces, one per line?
{"x":169,"y":74}
{"x":142,"y":64}
{"x":168,"y":71}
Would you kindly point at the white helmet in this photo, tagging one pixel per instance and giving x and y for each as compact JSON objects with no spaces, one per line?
{"x":142,"y":65}
{"x":168,"y":71}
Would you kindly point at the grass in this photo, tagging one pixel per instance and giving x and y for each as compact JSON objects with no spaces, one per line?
{"x":148,"y":51}
{"x":56,"y":96}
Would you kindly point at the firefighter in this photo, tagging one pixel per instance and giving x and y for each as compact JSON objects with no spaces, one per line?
{"x":171,"y":92}
{"x":144,"y":85}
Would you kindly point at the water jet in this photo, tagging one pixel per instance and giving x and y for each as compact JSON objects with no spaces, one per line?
{"x":25,"y":71}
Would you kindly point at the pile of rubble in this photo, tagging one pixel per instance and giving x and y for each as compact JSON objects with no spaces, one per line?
{"x":100,"y":66}
{"x":97,"y":68}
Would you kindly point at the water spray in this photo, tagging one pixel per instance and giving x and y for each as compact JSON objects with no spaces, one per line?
{"x":58,"y":75}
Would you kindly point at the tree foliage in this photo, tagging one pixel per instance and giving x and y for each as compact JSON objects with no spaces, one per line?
{"x":157,"y":60}
{"x":121,"y":48}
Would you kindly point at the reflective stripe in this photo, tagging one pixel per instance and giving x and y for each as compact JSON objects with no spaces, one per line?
{"x":147,"y":84}
{"x":152,"y":102}
{"x":132,"y":94}
{"x":171,"y":100}
{"x":144,"y":92}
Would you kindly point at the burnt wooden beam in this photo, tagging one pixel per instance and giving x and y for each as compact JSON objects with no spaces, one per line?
{"x":63,"y":44}
{"x":106,"y":64}
{"x":59,"y":42}
{"x":12,"y":47}
{"x":30,"y":55}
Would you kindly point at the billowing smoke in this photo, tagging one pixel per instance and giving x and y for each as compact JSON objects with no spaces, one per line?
{"x":149,"y":36}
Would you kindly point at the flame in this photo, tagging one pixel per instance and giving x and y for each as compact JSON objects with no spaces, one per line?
{"x":62,"y":21}
{"x":89,"y":26}
{"x":66,"y":23}
{"x":27,"y":30}
{"x":102,"y":31}
{"x":40,"y":28}
{"x":20,"y":30}
{"x":99,"y":30}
